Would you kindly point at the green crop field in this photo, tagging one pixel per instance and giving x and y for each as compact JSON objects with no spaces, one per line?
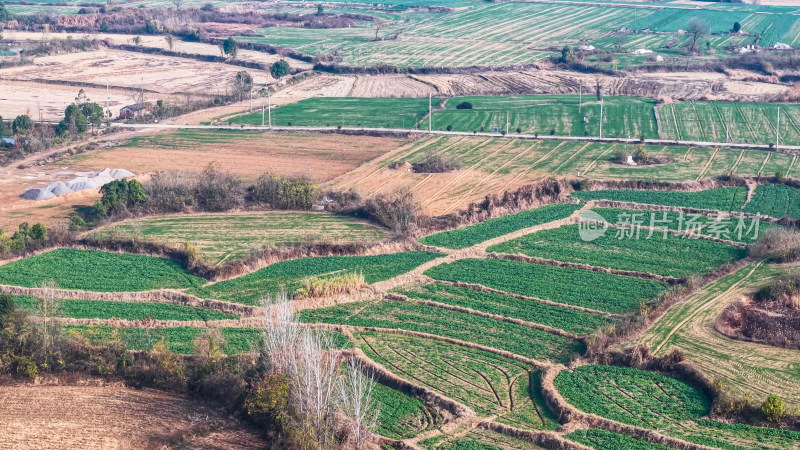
{"x":222,"y":237}
{"x":488,"y":383}
{"x":588,"y":289}
{"x":346,"y":112}
{"x":608,"y":440}
{"x":730,"y":227}
{"x":570,"y":320}
{"x":551,"y":114}
{"x":654,"y":401}
{"x":775,"y":201}
{"x":477,"y":439}
{"x":287,"y":275}
{"x":731,"y":121}
{"x":98,"y":309}
{"x":475,"y":234}
{"x":519,"y":339}
{"x":93,"y":270}
{"x":401,"y":416}
{"x":626,"y":248}
{"x":722,"y":199}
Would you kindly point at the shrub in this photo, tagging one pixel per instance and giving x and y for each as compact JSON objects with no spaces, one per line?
{"x":285,"y":193}
{"x":464,"y":105}
{"x":6,"y":306}
{"x":780,"y":177}
{"x":333,"y":285}
{"x":267,"y":400}
{"x":519,"y":130}
{"x":118,"y":195}
{"x":449,"y":128}
{"x":437,"y":163}
{"x":397,"y":211}
{"x":170,"y":191}
{"x":774,"y":408}
{"x":26,"y":367}
{"x":21,"y":125}
{"x":217,"y":190}
{"x":76,"y":223}
{"x":280,"y":69}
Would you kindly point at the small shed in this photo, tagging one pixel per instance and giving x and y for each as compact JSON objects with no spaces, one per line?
{"x":130,"y":111}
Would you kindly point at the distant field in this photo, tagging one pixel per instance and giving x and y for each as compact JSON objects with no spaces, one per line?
{"x":661,"y":254}
{"x":221,"y":237}
{"x":93,"y":270}
{"x":97,"y":309}
{"x":346,"y":112}
{"x":721,"y":199}
{"x":734,"y":121}
{"x":552,"y":114}
{"x":775,"y":201}
{"x":287,"y":275}
{"x":608,"y":440}
{"x":588,"y":289}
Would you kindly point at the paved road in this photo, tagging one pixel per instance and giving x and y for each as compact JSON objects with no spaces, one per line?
{"x":794,"y":149}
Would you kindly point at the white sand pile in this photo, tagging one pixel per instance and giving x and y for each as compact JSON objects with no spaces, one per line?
{"x":91,"y":180}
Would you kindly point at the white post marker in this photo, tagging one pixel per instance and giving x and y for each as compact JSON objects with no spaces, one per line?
{"x":580,"y":96}
{"x":778,"y":129}
{"x":506,"y":122}
{"x":269,"y":107}
{"x":601,"y":118}
{"x":430,"y":113}
{"x":251,"y":100}
{"x":263,"y":109}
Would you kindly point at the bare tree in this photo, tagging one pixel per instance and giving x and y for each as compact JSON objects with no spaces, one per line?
{"x":178,"y":4}
{"x":47,"y":307}
{"x":698,"y":29}
{"x":620,"y":39}
{"x":378,"y":26}
{"x":170,"y":41}
{"x":357,"y":403}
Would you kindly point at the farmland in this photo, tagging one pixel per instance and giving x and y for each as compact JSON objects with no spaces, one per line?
{"x":593,"y":290}
{"x":775,"y":201}
{"x":626,"y":248}
{"x":654,"y":401}
{"x":572,"y":321}
{"x":439,"y":366}
{"x":177,"y":339}
{"x":222,"y":237}
{"x":402,"y":416}
{"x":99,"y":309}
{"x":608,"y":440}
{"x":730,"y":122}
{"x":475,"y":234}
{"x":551,"y":114}
{"x":721,"y":199}
{"x":93,"y":270}
{"x":518,"y":339}
{"x":287,"y":275}
{"x":347,"y":112}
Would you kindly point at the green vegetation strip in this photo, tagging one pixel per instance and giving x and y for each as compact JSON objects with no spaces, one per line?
{"x":101,"y":309}
{"x":654,"y":401}
{"x":608,"y":440}
{"x":492,"y":228}
{"x":401,"y":416}
{"x":570,"y":320}
{"x":721,"y":199}
{"x":519,"y":339}
{"x":595,"y":290}
{"x":92,"y":270}
{"x":662,"y":253}
{"x":775,"y":201}
{"x":346,"y":112}
{"x":288,"y":275}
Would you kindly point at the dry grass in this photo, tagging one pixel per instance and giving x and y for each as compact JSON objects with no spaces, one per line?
{"x":331,"y":286}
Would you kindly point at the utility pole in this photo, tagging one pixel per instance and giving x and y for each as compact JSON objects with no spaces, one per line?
{"x":506,"y":122}
{"x":430,"y":114}
{"x":262,"y":114}
{"x":269,"y":108}
{"x":778,"y":129}
{"x":601,"y":118}
{"x":251,"y":100}
{"x":108,"y":99}
{"x":580,"y":96}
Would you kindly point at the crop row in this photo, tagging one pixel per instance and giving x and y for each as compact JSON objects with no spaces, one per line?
{"x":721,"y":199}
{"x":608,"y":440}
{"x":519,"y":339}
{"x":488,"y":383}
{"x":654,"y":401}
{"x":98,"y":309}
{"x":626,"y":249}
{"x":93,"y":270}
{"x":401,"y":416}
{"x":492,"y":228}
{"x":588,"y":289}
{"x":288,"y":275}
{"x":775,"y":201}
{"x":570,"y":320}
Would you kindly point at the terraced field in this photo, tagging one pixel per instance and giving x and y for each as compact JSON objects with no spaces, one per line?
{"x":576,"y":287}
{"x":511,"y":337}
{"x":477,"y":438}
{"x":401,"y":416}
{"x":222,"y":237}
{"x":689,"y":326}
{"x":551,"y":115}
{"x":487,"y":383}
{"x":626,"y":248}
{"x":775,"y":201}
{"x":653,"y":401}
{"x":721,"y":199}
{"x":608,"y":440}
{"x":288,"y":275}
{"x":93,"y":270}
{"x":177,"y":339}
{"x":730,"y":122}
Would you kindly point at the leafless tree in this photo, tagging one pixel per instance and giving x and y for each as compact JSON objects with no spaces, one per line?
{"x":178,"y":4}
{"x":47,"y":306}
{"x":170,"y":41}
{"x":698,"y":29}
{"x":378,"y":25}
{"x":357,"y":403}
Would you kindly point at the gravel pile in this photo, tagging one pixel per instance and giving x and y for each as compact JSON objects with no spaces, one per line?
{"x":92,"y":180}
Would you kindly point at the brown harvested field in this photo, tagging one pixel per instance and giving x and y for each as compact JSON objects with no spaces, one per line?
{"x":28,"y":98}
{"x":93,"y":417}
{"x":390,"y":86}
{"x":319,"y":156}
{"x":128,"y":69}
{"x":197,"y":48}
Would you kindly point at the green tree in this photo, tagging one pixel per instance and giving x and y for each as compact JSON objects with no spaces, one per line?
{"x":320,"y":9}
{"x":6,"y":306}
{"x":38,"y":232}
{"x":21,"y":125}
{"x":620,"y":39}
{"x":119,"y":194}
{"x":93,"y":113}
{"x":230,"y":47}
{"x":4,"y":15}
{"x":567,"y":54}
{"x":74,"y":121}
{"x":737,"y":27}
{"x":104,"y":26}
{"x":774,"y":408}
{"x":279,"y":69}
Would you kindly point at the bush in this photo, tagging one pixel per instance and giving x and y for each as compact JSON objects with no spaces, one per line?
{"x":397,"y":211}
{"x":780,"y":177}
{"x":774,"y":408}
{"x":464,"y":105}
{"x":332,"y":285}
{"x":26,"y":367}
{"x":21,"y":125}
{"x":437,"y":163}
{"x":449,"y":128}
{"x":118,"y":195}
{"x":171,"y":191}
{"x":519,"y":130}
{"x":6,"y":306}
{"x":76,"y":223}
{"x":285,"y":193}
{"x":218,"y":191}
{"x":267,"y":401}
{"x":280,"y":69}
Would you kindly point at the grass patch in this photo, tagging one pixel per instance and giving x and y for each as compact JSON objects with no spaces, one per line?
{"x":775,"y":200}
{"x":101,"y":309}
{"x":722,"y":199}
